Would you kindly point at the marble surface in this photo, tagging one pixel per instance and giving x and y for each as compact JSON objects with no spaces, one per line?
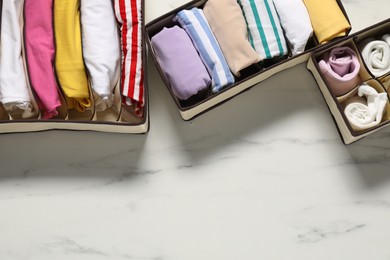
{"x":264,"y":176}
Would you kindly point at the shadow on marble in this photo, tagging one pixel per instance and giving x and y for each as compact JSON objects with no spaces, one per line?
{"x":256,"y":111}
{"x":371,"y":156}
{"x":69,"y":154}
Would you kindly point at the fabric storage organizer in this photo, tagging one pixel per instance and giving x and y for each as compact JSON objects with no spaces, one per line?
{"x":198,"y":104}
{"x":121,"y":116}
{"x":376,"y":112}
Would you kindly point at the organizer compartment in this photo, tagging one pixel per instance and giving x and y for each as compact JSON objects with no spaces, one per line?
{"x":248,"y":77}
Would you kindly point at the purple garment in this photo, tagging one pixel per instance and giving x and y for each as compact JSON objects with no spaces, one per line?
{"x":340,"y":67}
{"x":180,"y":62}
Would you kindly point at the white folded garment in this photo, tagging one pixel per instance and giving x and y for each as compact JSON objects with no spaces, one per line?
{"x":101,"y":49}
{"x":376,"y":55}
{"x":366,"y":110}
{"x":296,"y":24}
{"x":14,"y":93}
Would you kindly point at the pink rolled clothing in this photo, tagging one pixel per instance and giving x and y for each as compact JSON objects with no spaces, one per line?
{"x":341,"y":67}
{"x":39,"y":42}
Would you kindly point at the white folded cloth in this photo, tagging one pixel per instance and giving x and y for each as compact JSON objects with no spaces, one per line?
{"x":376,"y":55}
{"x":14,"y":93}
{"x":296,"y":24}
{"x":101,"y":49}
{"x":366,"y":110}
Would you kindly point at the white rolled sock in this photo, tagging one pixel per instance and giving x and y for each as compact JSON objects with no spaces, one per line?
{"x":366,"y":110}
{"x":376,"y":55}
{"x":14,"y":92}
{"x":101,"y":49}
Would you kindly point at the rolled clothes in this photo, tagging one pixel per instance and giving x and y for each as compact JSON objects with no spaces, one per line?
{"x":39,"y":43}
{"x":340,"y":67}
{"x":101,"y":49}
{"x":366,"y":110}
{"x":129,"y":15}
{"x":265,"y":32}
{"x":296,"y":24}
{"x":14,"y":90}
{"x":376,"y":55}
{"x":180,"y":62}
{"x":327,"y":19}
{"x":197,"y":27}
{"x":69,"y":61}
{"x":231,"y":33}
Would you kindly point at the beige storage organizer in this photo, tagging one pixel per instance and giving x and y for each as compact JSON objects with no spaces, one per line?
{"x":380,"y":83}
{"x":253,"y":75}
{"x":119,"y":118}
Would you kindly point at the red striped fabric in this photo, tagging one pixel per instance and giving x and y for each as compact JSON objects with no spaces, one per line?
{"x":128,"y":14}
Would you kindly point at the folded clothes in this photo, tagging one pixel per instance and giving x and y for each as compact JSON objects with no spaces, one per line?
{"x":39,"y":43}
{"x":327,"y":19}
{"x":296,"y":24}
{"x":340,"y":67}
{"x":14,"y":92}
{"x":69,"y":61}
{"x":231,"y":33}
{"x":265,"y":31}
{"x":366,"y":110}
{"x":180,"y":62}
{"x":101,"y":49}
{"x":129,"y":15}
{"x":376,"y":55}
{"x":197,"y":27}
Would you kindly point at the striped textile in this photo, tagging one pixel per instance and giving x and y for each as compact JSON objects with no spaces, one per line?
{"x":197,"y":27}
{"x":129,"y":15}
{"x":265,"y":31}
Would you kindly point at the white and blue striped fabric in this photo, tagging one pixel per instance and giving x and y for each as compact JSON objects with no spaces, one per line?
{"x":265,"y":31}
{"x":197,"y":27}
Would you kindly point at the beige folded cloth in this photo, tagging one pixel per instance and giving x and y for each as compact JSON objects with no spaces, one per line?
{"x":228,"y":25}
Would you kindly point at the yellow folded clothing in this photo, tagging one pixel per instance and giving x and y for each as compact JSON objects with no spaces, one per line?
{"x":327,"y":19}
{"x":69,"y":62}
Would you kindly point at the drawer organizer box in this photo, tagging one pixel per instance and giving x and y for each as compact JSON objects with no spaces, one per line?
{"x":165,"y":39}
{"x":353,"y":75}
{"x":74,"y":65}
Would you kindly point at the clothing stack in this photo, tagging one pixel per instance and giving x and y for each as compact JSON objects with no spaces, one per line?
{"x":210,"y":48}
{"x":70,"y":59}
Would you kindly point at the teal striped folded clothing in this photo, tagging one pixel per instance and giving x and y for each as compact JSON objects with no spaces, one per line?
{"x":198,"y":28}
{"x":265,"y":32}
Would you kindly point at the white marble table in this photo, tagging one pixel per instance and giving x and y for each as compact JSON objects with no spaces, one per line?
{"x":264,"y":176}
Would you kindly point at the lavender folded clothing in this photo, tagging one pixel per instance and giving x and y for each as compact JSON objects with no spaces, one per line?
{"x":340,"y":67}
{"x":180,"y":62}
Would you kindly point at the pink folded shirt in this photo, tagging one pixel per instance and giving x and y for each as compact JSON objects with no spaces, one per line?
{"x":340,"y":67}
{"x":39,"y":42}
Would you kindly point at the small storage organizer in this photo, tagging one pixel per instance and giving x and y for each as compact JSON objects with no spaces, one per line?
{"x":368,"y":74}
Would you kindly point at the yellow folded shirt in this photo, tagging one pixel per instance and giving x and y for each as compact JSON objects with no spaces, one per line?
{"x":327,"y":19}
{"x":69,"y":62}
